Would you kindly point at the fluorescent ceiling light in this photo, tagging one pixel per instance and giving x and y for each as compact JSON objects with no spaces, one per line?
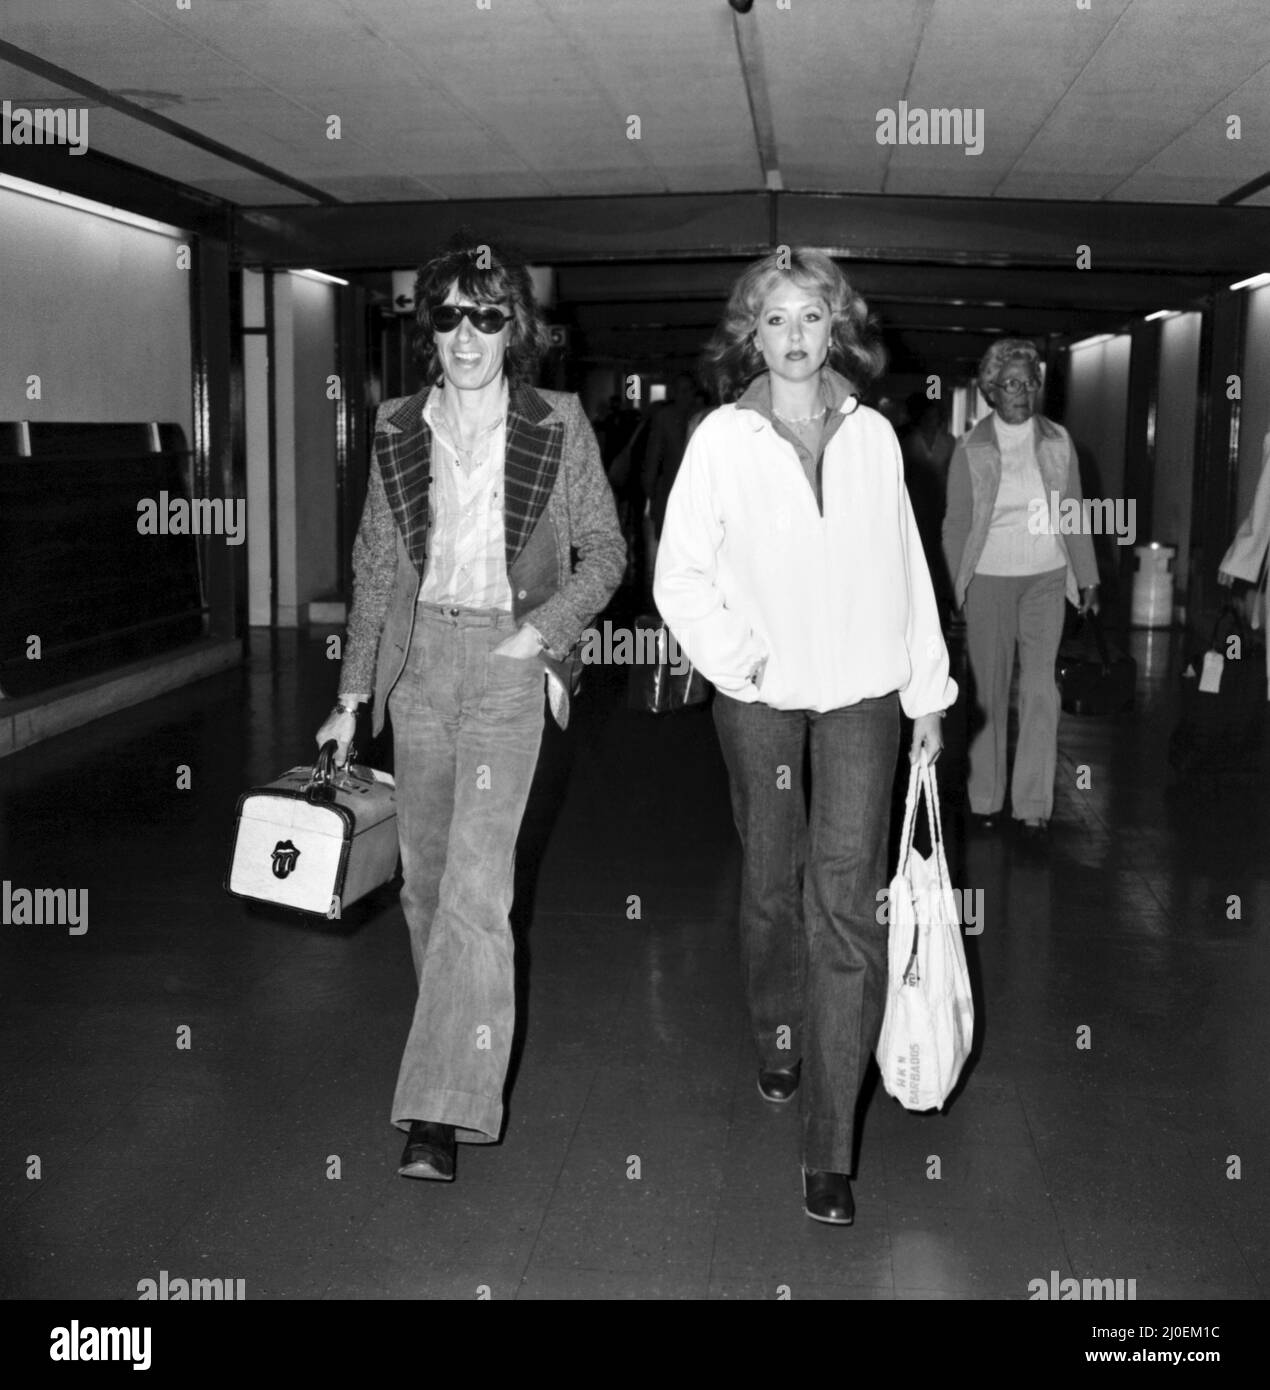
{"x":320,"y":275}
{"x":1161,"y":314}
{"x":72,"y":200}
{"x":1253,"y":282}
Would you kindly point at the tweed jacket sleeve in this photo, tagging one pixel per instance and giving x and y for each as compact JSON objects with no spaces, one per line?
{"x":582,"y":506}
{"x":374,"y":567}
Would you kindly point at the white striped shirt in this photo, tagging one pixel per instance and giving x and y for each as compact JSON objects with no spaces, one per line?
{"x":467,"y":558}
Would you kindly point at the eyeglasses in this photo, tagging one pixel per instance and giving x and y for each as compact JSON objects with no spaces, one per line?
{"x":1014,"y":387}
{"x":445,"y":318}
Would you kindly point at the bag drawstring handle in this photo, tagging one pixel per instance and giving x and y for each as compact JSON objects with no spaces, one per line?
{"x":921,"y":778}
{"x":910,"y":815}
{"x":932,"y":809}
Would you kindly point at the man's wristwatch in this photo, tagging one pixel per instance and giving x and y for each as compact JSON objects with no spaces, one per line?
{"x":347,"y":704}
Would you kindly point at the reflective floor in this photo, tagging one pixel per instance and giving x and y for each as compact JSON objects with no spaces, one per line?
{"x":638,"y":1159}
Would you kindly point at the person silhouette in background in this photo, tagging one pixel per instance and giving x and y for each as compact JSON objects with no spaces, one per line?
{"x":1244,"y":562}
{"x":928,"y":448}
{"x":666,"y":438}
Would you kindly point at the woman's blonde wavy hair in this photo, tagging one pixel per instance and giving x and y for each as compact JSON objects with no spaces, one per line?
{"x":732,"y":358}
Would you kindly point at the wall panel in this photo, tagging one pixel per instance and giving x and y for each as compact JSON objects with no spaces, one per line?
{"x":98,"y":309}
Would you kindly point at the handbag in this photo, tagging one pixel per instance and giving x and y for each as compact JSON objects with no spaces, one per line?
{"x":669,"y":681}
{"x":1223,"y":704}
{"x":315,"y":839}
{"x":1092,"y":678}
{"x":929,"y":1023}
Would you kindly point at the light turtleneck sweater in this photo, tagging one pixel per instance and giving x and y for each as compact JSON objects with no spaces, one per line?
{"x":1011,"y":548}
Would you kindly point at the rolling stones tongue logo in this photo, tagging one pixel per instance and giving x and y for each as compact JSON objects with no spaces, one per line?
{"x":285,"y":855}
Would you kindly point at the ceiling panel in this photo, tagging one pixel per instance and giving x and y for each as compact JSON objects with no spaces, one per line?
{"x":438,"y":99}
{"x":1159,"y":74}
{"x":1202,"y":164}
{"x":1009,"y":66}
{"x":830,"y":66}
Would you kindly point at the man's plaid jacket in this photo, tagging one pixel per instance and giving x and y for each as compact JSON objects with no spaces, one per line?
{"x":557,"y":504}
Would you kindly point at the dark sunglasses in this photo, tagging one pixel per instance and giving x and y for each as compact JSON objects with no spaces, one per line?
{"x":445,"y":318}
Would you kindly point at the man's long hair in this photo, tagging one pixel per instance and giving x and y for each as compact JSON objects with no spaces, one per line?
{"x":487,"y":274}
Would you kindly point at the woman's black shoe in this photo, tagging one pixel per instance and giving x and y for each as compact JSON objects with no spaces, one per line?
{"x":827,"y":1197}
{"x":429,"y":1151}
{"x":985,"y":824}
{"x":778,"y":1086}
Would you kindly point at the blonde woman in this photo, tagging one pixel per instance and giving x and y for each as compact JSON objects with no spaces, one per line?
{"x":791,"y":571}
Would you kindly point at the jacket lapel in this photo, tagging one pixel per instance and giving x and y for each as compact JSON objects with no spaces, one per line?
{"x":404,"y":450}
{"x":532,"y":460}
{"x":984,"y":460}
{"x":533,"y":453}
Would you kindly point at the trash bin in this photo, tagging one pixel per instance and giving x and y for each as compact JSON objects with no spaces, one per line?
{"x":1153,"y":585}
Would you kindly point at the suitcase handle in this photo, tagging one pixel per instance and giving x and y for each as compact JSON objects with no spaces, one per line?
{"x":322,"y":784}
{"x":1100,"y":639}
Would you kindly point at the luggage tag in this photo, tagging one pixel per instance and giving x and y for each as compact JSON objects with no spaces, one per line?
{"x":1210,"y":677}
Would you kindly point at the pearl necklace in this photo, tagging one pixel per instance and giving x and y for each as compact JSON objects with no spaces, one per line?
{"x":802,"y":419}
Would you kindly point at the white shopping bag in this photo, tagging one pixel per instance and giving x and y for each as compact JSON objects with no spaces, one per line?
{"x":929,"y":1023}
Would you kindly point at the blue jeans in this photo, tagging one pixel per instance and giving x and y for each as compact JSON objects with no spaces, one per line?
{"x":813,"y":953}
{"x":466,"y":731}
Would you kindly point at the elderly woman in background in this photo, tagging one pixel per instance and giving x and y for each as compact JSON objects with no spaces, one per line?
{"x":791,"y":572}
{"x":465,"y":599}
{"x":1012,"y":572}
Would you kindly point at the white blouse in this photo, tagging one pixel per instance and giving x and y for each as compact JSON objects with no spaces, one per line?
{"x":841,"y":605}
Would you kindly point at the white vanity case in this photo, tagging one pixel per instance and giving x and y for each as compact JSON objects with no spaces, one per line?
{"x":317,"y":839}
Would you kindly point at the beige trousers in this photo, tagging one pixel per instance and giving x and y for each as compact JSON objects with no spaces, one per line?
{"x":1003,"y":614}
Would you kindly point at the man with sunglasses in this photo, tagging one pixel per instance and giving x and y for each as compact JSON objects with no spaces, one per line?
{"x":466,"y":596}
